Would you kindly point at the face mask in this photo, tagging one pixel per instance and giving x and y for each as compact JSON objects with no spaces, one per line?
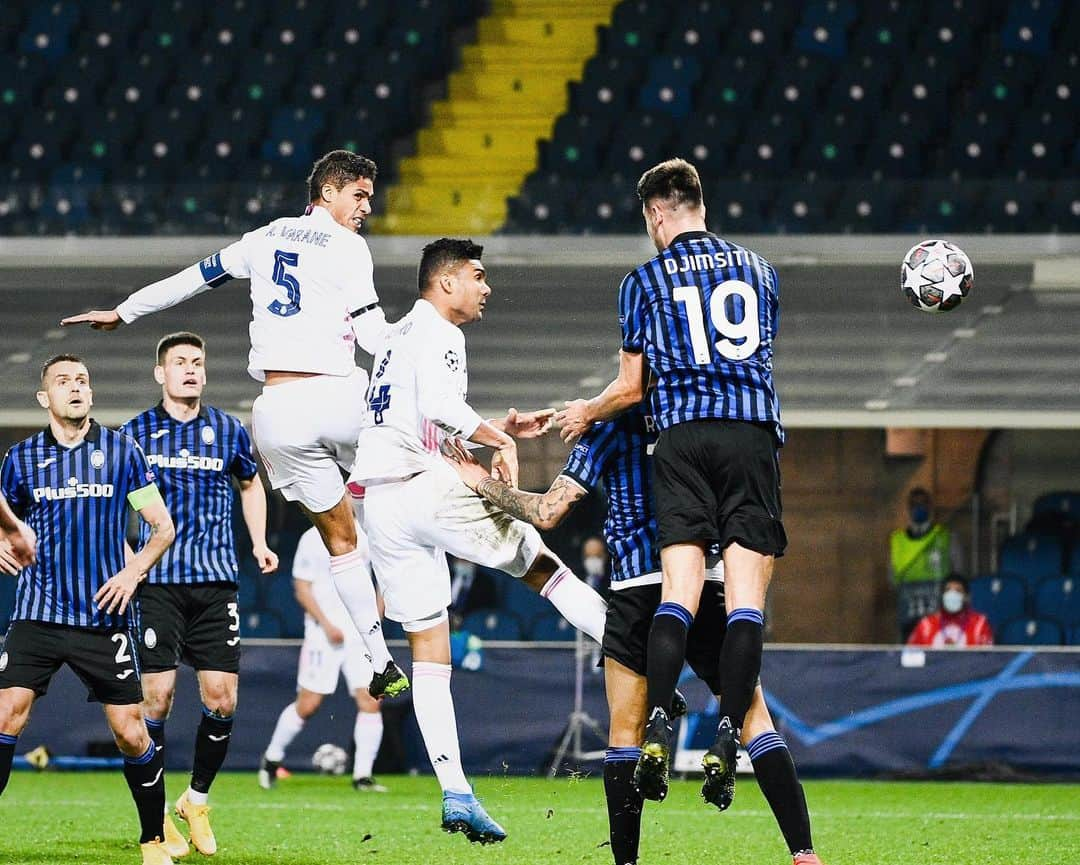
{"x":920,"y":514}
{"x":594,"y":566}
{"x":952,"y":601}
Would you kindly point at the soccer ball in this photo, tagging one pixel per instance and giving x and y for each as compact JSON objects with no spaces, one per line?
{"x":330,"y":759}
{"x":936,"y":275}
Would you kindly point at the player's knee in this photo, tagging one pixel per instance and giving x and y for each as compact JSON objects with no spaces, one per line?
{"x":158,"y":704}
{"x":12,"y":718}
{"x":546,"y":564}
{"x":131,"y":736}
{"x":221,"y":703}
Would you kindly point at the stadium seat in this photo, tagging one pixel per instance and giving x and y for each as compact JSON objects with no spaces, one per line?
{"x":523,"y":601}
{"x":1031,"y":558}
{"x":1065,"y":502}
{"x":1000,"y":598}
{"x":1058,"y":599}
{"x":261,"y":624}
{"x":492,"y":624}
{"x":550,"y":626}
{"x":1072,"y":638}
{"x":393,"y":630}
{"x":1030,"y":632}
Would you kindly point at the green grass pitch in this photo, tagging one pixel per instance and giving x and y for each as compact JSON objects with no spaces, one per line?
{"x":65,"y":818}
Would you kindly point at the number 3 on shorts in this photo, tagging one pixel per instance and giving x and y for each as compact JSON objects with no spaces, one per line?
{"x":234,"y":614}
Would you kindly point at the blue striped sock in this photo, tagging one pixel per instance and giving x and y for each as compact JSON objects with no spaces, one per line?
{"x":144,"y":759}
{"x":746,"y":614}
{"x":670,"y":608}
{"x":765,"y":742}
{"x":622,"y":755}
{"x":6,"y":739}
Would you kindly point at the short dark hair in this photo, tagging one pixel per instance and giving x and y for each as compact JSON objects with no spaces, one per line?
{"x":172,"y":340}
{"x":957,"y":578}
{"x":59,"y":358}
{"x":442,"y":253}
{"x":675,"y":180}
{"x":919,"y":493}
{"x":338,"y":167}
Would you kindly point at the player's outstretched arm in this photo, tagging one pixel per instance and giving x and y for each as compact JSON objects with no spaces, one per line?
{"x":628,"y":389}
{"x":119,"y":589}
{"x":253,"y":506}
{"x":208,"y":273}
{"x":544,"y":510}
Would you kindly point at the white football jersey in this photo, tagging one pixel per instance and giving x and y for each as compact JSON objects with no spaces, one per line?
{"x":416,"y":398}
{"x":312,"y":564}
{"x":308,"y":274}
{"x":309,"y":278}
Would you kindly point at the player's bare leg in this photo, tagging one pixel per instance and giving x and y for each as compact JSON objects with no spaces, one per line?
{"x":337,"y":527}
{"x":144,"y":770}
{"x":746,"y":580}
{"x":434,"y":708}
{"x":778,"y":779}
{"x":367,"y":736}
{"x":577,"y":602}
{"x":627,"y":704}
{"x":684,"y":576}
{"x":289,"y":724}
{"x":15,"y":705}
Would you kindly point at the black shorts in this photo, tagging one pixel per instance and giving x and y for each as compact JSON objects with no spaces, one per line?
{"x":718,"y":482}
{"x":105,"y":661}
{"x":629,"y":617}
{"x":199,"y":625}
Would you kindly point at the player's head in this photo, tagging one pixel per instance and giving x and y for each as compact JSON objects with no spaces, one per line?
{"x":453,"y":278}
{"x":343,"y":182}
{"x":181,"y":366}
{"x":671,"y":197}
{"x":65,"y":388}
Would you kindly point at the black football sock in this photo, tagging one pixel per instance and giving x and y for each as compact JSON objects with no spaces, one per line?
{"x":740,"y":664}
{"x":145,"y":776}
{"x":666,"y":653}
{"x":7,"y":754}
{"x":623,"y":803}
{"x":779,"y":782}
{"x":211,"y":746}
{"x":156,"y":729}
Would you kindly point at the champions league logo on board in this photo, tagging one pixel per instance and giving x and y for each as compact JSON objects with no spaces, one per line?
{"x":97,"y":459}
{"x":207,"y":435}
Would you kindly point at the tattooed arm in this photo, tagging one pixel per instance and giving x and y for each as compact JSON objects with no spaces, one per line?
{"x":543,"y":510}
{"x":115,"y":594}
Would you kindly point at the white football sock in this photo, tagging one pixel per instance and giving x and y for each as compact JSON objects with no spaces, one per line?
{"x":353,"y":583}
{"x":367,"y":736}
{"x":579,"y":603}
{"x":197,"y":798}
{"x":434,"y":708}
{"x":289,"y":725}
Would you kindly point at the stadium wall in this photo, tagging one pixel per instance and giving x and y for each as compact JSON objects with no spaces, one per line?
{"x":844,"y":711}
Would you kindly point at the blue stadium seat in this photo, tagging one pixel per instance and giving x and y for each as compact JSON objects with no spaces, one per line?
{"x":1031,"y":558}
{"x":492,"y":624}
{"x":549,"y":627}
{"x":1059,"y":599}
{"x":261,"y":624}
{"x":1028,"y":26}
{"x":1000,"y":598}
{"x":7,"y":601}
{"x":1072,"y":638}
{"x":392,"y":630}
{"x":1030,"y":632}
{"x":523,"y":601}
{"x":280,"y":599}
{"x":1066,"y":502}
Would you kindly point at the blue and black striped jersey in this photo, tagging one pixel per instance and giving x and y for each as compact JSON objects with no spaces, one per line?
{"x":195,"y":462}
{"x":616,"y":454}
{"x":75,"y":499}
{"x":705,"y":312}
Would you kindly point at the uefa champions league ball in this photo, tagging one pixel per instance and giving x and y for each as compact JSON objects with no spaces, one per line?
{"x":330,"y":759}
{"x":936,"y":276}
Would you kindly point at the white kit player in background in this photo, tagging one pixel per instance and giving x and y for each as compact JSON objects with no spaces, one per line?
{"x":313,"y":298}
{"x":417,"y":509}
{"x":331,"y":647}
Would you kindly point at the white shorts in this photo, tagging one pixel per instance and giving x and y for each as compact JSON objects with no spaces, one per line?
{"x":321,"y":663}
{"x":305,"y":431}
{"x":411,"y":524}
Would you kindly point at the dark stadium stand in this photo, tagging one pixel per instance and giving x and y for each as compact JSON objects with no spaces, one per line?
{"x":824,"y":116}
{"x":198,"y":117}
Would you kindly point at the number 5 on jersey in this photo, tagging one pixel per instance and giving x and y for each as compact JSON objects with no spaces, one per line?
{"x":288,"y":282}
{"x":745,"y":330}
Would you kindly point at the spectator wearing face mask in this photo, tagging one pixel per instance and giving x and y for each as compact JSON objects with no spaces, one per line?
{"x":594,"y":561}
{"x":921,"y":556}
{"x":956,"y":624}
